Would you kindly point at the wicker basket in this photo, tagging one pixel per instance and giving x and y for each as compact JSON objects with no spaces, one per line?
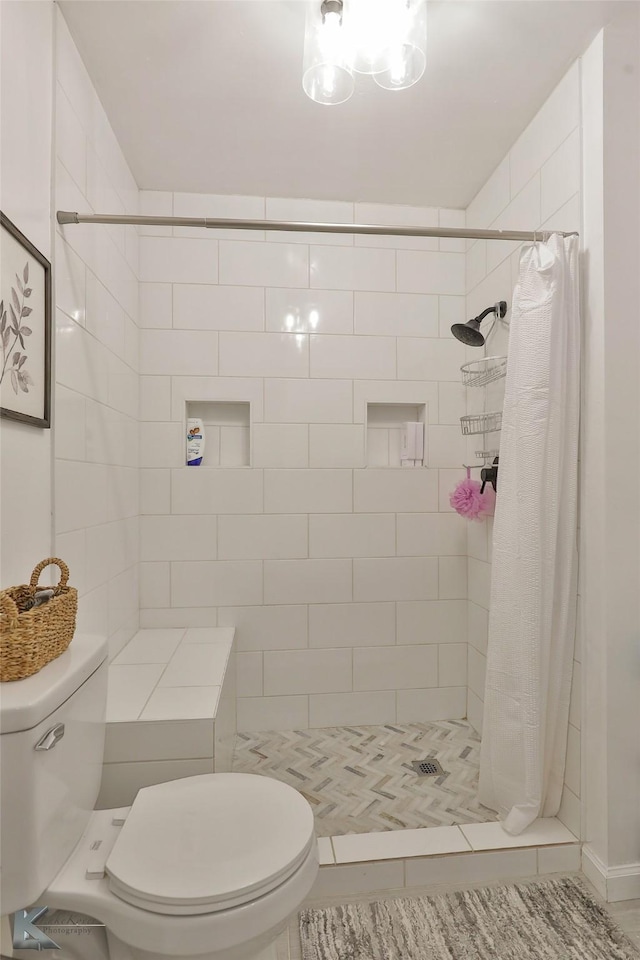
{"x":29,"y":639}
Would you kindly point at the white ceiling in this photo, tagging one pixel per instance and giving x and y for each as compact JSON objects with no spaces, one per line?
{"x":205,"y":96}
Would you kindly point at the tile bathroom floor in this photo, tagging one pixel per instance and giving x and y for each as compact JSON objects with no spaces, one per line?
{"x":360,"y":779}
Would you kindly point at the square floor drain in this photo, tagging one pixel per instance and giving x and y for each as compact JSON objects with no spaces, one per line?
{"x":427,"y":768}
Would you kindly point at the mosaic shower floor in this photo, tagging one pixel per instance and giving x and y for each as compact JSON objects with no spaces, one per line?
{"x":360,"y":779}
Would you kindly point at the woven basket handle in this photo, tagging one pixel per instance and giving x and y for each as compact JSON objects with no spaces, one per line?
{"x":8,"y":607}
{"x":64,"y":572}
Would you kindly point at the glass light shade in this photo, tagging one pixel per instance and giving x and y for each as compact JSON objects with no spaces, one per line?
{"x":368,"y":24}
{"x":408,"y":56}
{"x":326,"y":70}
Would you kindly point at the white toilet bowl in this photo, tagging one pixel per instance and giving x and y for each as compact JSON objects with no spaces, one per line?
{"x":209,"y":867}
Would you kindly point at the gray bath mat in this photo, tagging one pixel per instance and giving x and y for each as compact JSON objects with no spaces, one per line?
{"x":547,"y":920}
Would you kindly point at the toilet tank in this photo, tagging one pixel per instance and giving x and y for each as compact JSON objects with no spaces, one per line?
{"x":47,"y":795}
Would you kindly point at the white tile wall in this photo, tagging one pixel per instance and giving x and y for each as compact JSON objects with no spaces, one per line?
{"x":96,"y":388}
{"x":315,"y":559}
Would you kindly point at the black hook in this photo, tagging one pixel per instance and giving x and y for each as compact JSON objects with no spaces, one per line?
{"x":490,"y":475}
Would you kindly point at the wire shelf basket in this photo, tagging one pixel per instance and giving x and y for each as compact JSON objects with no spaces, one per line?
{"x":487,"y":454}
{"x":481,"y":423}
{"x":478,"y":373}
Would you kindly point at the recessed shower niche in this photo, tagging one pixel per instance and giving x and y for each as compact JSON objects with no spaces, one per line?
{"x":384,"y":432}
{"x":226,"y":431}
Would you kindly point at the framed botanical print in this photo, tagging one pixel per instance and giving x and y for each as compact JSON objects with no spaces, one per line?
{"x":25,"y":329}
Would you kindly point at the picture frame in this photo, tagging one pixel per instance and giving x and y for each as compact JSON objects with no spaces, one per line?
{"x":25,"y":329}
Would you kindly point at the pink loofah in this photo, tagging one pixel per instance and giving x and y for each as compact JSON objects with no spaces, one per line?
{"x":467,"y":500}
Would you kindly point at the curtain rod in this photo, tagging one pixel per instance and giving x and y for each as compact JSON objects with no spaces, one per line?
{"x":214,"y":223}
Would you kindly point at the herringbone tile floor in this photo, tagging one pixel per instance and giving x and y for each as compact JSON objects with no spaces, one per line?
{"x":360,"y":779}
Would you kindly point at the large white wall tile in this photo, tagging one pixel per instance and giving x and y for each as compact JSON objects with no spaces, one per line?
{"x":308,"y":491}
{"x":353,"y":268}
{"x":452,"y":665}
{"x":336,"y":445}
{"x":178,"y":538}
{"x":394,"y":668}
{"x":560,"y":176}
{"x":431,"y":272}
{"x":431,"y":535}
{"x":155,"y":491}
{"x":330,"y":709}
{"x":452,"y":578}
{"x":273,"y":713}
{"x":234,"y":582}
{"x":432,"y":621}
{"x":379,"y":491}
{"x":257,"y":264}
{"x":351,"y":624}
{"x":425,"y":359}
{"x":306,"y":671}
{"x":353,"y":535}
{"x":307,"y":581}
{"x":442,"y":703}
{"x":309,"y":311}
{"x":155,"y":398}
{"x":357,"y":358}
{"x":267,"y":628}
{"x":207,"y":307}
{"x":479,"y":574}
{"x":478,"y":627}
{"x":308,"y":401}
{"x":476,"y":666}
{"x":400,"y":578}
{"x":169,"y":260}
{"x":155,"y":305}
{"x":553,"y":123}
{"x":178,"y":352}
{"x":262,"y":537}
{"x":162,"y":444}
{"x":492,"y":198}
{"x":264,"y":355}
{"x":199,"y":490}
{"x":280,"y":445}
{"x":396,"y":314}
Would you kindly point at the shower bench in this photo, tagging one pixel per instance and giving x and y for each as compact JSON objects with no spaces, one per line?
{"x":171,"y":710}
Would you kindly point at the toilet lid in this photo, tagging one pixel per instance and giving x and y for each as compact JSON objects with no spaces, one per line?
{"x":207,"y":843}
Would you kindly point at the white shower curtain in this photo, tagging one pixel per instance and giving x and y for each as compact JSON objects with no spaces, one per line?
{"x":534,"y":568}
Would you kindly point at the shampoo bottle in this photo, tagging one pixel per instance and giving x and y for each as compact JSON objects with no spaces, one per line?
{"x":195,"y":442}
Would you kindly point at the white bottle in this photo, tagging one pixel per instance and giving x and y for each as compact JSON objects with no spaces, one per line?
{"x":195,"y":442}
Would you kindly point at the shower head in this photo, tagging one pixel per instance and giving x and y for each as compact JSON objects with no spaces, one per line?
{"x":469,"y":332}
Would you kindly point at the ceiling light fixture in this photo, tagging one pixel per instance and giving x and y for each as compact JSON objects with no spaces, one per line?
{"x":386,"y":39}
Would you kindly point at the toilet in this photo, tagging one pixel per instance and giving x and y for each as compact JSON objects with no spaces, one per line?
{"x":209,"y":867}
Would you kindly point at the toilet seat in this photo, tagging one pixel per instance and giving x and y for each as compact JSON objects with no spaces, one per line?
{"x":207,"y":843}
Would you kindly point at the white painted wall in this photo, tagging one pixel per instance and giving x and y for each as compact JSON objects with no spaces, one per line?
{"x":610,"y":548}
{"x":347,"y":583}
{"x":25,"y":197}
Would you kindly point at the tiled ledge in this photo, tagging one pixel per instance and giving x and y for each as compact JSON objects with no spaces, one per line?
{"x":169,"y":675}
{"x":368,"y":862}
{"x":171,"y":710}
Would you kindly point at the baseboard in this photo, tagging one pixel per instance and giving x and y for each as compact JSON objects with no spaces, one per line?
{"x":612,"y":883}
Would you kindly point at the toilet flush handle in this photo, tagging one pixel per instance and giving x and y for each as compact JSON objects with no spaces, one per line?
{"x":50,"y":738}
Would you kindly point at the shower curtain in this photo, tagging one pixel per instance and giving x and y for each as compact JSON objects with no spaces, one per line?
{"x":534,"y":569}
